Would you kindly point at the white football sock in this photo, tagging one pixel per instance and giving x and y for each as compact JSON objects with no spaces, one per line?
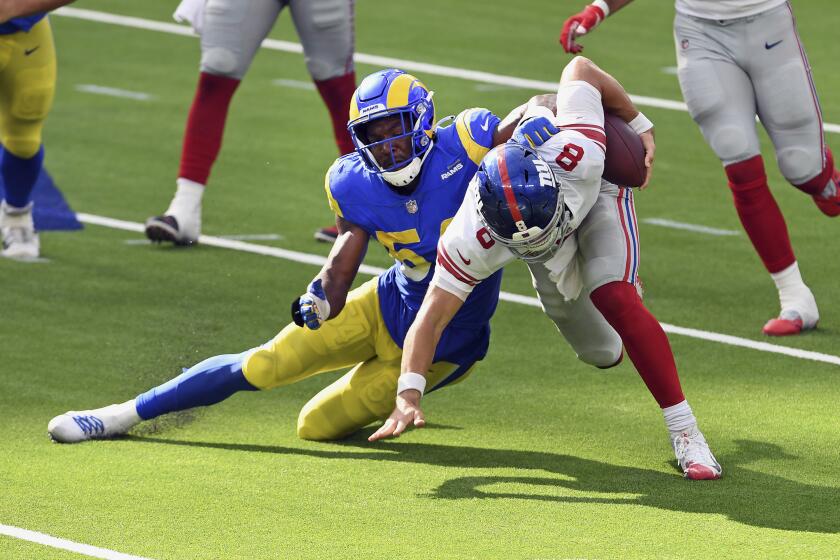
{"x":186,"y":208}
{"x":187,"y":198}
{"x":127,"y":412}
{"x":794,"y":294}
{"x":679,"y":418}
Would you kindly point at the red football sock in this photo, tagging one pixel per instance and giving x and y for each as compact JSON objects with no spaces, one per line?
{"x":759,"y":213}
{"x":205,"y":126}
{"x":336,"y":93}
{"x":817,"y":185}
{"x":643,"y":338}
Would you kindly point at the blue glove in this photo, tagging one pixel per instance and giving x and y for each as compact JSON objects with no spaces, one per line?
{"x":534,"y":131}
{"x":312,"y":308}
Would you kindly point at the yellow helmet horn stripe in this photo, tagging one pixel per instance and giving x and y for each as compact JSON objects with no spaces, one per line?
{"x":354,"y":107}
{"x":398,"y":92}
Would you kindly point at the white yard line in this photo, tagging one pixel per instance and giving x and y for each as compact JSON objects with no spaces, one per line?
{"x":294,"y":84}
{"x":64,"y":544}
{"x":385,"y":61}
{"x":114,"y":92}
{"x":688,"y":227}
{"x":238,"y":237}
{"x":317,"y":260}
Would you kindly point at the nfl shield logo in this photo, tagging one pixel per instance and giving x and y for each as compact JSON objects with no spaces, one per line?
{"x":411,"y":206}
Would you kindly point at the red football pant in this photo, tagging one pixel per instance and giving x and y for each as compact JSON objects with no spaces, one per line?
{"x":205,"y":126}
{"x":644,"y":340}
{"x":759,"y":213}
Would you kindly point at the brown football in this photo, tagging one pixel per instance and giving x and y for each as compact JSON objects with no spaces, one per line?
{"x":624,"y":164}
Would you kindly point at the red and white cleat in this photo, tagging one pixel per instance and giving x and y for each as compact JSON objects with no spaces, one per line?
{"x":327,"y":234}
{"x":788,"y":323}
{"x":830,"y":206}
{"x":694,"y":456}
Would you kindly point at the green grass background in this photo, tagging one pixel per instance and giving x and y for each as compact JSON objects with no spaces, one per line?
{"x":536,"y":456}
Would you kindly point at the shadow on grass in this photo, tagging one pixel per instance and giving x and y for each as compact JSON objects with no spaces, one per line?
{"x":743,"y":495}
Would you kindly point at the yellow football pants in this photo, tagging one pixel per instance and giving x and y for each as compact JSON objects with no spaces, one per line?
{"x":27,"y":87}
{"x":358,"y":337}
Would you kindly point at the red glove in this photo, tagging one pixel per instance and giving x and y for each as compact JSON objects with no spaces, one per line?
{"x":580,"y":24}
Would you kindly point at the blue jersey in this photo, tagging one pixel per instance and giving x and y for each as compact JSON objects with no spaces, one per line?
{"x":410,"y":225}
{"x":20,"y":24}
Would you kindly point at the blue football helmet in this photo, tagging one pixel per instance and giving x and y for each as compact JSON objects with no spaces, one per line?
{"x":520,"y":202}
{"x":389,"y":93}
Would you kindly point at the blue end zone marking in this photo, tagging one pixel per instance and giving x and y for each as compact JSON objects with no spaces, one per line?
{"x":51,"y":212}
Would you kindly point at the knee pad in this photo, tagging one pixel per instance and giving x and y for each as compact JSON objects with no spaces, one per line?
{"x":263,"y":368}
{"x":798,"y":164}
{"x":24,"y":147}
{"x":729,"y":142}
{"x":602,"y":358}
{"x":221,"y":61}
{"x":315,"y":424}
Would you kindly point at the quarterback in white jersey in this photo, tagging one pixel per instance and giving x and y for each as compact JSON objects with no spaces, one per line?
{"x":737,"y":59}
{"x":549,"y":206}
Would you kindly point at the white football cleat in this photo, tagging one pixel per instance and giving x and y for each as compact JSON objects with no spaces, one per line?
{"x":20,"y":241}
{"x":181,"y":223}
{"x":694,"y":456}
{"x":81,"y":425}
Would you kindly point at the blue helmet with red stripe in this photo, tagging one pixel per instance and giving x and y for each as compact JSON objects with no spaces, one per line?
{"x":393,"y":93}
{"x":520,"y":202}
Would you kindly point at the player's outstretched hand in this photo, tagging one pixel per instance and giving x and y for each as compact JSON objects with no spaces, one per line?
{"x":406,"y":413}
{"x":650,"y":149}
{"x":578,"y":25}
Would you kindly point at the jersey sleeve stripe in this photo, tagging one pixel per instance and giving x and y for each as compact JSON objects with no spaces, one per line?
{"x":475,"y":151}
{"x":332,"y":201}
{"x":583,"y":125}
{"x":513,"y":208}
{"x":596,"y":134}
{"x":447,"y":262}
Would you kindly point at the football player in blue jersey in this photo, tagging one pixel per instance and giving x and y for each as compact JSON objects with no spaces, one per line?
{"x":27,"y":85}
{"x":402,"y":185}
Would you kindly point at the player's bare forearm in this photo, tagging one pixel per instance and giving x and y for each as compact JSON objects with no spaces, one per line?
{"x":439,"y":306}
{"x":504,"y":130}
{"x":16,"y":8}
{"x":616,"y":5}
{"x":548,"y":100}
{"x":343,"y":263}
{"x":613,"y":95}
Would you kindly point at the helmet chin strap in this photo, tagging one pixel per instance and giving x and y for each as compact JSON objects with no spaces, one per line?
{"x":406,"y":174}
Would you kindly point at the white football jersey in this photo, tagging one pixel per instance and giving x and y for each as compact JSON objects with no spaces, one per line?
{"x":725,"y":9}
{"x":467,"y":254}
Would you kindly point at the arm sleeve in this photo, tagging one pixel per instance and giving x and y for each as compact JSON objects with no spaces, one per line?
{"x":579,"y":103}
{"x":476,"y":128}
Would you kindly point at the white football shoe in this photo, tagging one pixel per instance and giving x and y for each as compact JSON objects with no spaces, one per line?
{"x":694,"y":456}
{"x":81,"y":425}
{"x":20,"y":241}
{"x":181,"y":223}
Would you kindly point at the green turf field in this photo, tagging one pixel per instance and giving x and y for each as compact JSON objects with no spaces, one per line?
{"x":536,"y":456}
